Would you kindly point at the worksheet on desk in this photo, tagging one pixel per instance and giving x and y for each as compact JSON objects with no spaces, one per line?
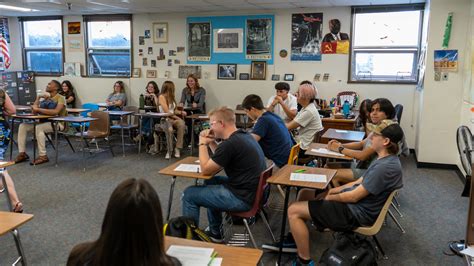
{"x":328,"y":152}
{"x":193,"y":256}
{"x":193,"y":168}
{"x":308,"y":177}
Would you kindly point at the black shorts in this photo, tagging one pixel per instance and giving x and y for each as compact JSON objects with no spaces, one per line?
{"x":333,"y":215}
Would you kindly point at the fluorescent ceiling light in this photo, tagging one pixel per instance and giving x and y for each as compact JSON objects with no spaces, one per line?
{"x":17,"y":8}
{"x":102,"y":4}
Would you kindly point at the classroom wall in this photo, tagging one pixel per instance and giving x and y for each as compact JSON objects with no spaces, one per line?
{"x":231,"y":93}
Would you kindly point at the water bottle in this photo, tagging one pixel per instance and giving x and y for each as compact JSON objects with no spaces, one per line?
{"x":346,"y":109}
{"x":141,"y":101}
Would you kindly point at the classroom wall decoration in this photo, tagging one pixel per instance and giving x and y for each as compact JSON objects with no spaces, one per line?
{"x":74,"y":27}
{"x":226,"y":71}
{"x":306,"y":36}
{"x":160,"y":32}
{"x":228,"y":40}
{"x":335,"y":41}
{"x":258,"y":70}
{"x":184,"y":71}
{"x":259,"y":39}
{"x":199,"y":41}
{"x":446,"y":60}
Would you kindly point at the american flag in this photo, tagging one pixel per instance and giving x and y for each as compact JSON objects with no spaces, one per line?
{"x":4,"y":42}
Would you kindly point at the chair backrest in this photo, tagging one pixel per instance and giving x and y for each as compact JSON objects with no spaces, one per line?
{"x":351,"y":96}
{"x":91,"y":107}
{"x":375,"y":228}
{"x":293,"y":158}
{"x":398,"y":112}
{"x":102,"y":124}
{"x":135,"y":110}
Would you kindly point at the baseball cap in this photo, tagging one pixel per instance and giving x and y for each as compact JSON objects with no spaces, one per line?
{"x":389,"y":129}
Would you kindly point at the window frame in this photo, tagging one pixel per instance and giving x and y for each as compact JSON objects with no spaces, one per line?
{"x":384,"y":49}
{"x":106,"y":18}
{"x":25,"y":50}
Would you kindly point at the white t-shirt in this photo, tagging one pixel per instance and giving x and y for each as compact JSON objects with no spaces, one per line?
{"x":310,"y":123}
{"x":278,"y":110}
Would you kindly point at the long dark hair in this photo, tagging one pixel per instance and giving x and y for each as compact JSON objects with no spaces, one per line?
{"x":364,"y":112}
{"x":156,"y":90}
{"x":69,"y":85}
{"x":132,"y":230}
{"x":386,"y":106}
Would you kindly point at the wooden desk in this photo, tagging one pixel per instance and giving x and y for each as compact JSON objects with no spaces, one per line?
{"x":230,"y":255}
{"x":347,"y":124}
{"x":323,"y":155}
{"x":169,"y":171}
{"x":9,"y":222}
{"x":344,"y":136}
{"x":282,"y":177}
{"x":150,"y":115}
{"x":121,"y":114}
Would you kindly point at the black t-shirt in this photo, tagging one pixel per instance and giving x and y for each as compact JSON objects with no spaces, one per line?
{"x":243,"y":161}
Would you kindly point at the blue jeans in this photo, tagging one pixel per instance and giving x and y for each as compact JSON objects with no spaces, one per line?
{"x":215,"y":197}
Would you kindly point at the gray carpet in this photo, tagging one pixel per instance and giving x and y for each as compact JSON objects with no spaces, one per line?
{"x":69,"y":205}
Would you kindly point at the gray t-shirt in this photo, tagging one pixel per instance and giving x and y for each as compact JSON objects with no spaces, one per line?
{"x":383,"y":176}
{"x":310,"y":124}
{"x":118,"y":96}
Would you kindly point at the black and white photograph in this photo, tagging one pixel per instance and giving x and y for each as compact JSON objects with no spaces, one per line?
{"x":141,"y":40}
{"x":145,"y":62}
{"x":147,"y":34}
{"x":244,"y":76}
{"x":289,"y":77}
{"x":153,"y":63}
{"x":306,"y":36}
{"x":170,"y":62}
{"x":226,"y":71}
{"x":228,"y":40}
{"x":259,"y":38}
{"x":275,"y":77}
{"x":160,"y":32}
{"x":184,"y":71}
{"x":258,"y":70}
{"x":199,"y":41}
{"x":150,"y":50}
{"x":140,"y":52}
{"x":172,"y":53}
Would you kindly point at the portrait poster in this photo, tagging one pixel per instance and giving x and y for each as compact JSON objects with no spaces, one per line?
{"x":74,"y":27}
{"x":199,"y":41}
{"x":335,"y":41}
{"x":228,"y":40}
{"x":259,"y":39}
{"x":306,"y":36}
{"x":446,"y":60}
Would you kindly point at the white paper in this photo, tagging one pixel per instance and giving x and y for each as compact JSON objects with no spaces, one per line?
{"x":197,"y":161}
{"x":328,"y":152}
{"x":308,"y":177}
{"x":216,"y":262}
{"x":341,"y":131}
{"x":193,"y":168}
{"x":191,"y":255}
{"x":468,"y":251}
{"x":203,"y":116}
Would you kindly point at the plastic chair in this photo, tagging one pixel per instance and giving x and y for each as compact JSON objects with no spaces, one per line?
{"x":257,"y":206}
{"x":125,"y":122}
{"x":91,"y":107}
{"x":98,"y":129}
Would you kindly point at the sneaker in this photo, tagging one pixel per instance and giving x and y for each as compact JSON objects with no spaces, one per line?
{"x":177,"y":154}
{"x":297,"y":262}
{"x":22,"y":156}
{"x":216,"y":238}
{"x":289,"y":245}
{"x":167,"y":156}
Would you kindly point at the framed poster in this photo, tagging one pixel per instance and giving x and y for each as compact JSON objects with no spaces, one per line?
{"x":306,"y":32}
{"x":151,"y":73}
{"x":199,"y":41}
{"x":258,"y":70}
{"x":74,"y":27}
{"x":160,"y":32}
{"x":228,"y":40}
{"x":136,"y":72}
{"x":185,"y":71}
{"x":226,"y":71}
{"x":259,"y":38}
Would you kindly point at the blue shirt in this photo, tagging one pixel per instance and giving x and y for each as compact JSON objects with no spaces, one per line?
{"x":275,"y":140}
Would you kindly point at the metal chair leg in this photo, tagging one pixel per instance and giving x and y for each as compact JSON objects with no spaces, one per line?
{"x":265,"y":221}
{"x":396,"y":209}
{"x":19,"y":246}
{"x":69,"y":142}
{"x":110,"y":147}
{"x":250,"y":233}
{"x":396,"y":200}
{"x":380,"y":248}
{"x":396,"y":222}
{"x":50,"y":141}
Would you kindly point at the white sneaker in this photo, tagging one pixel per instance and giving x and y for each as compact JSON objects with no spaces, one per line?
{"x":177,"y":154}
{"x":167,"y":156}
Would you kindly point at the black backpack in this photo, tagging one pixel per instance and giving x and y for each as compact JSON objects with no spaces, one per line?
{"x":184,"y":227}
{"x":349,"y":249}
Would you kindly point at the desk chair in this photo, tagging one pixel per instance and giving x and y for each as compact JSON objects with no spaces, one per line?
{"x":92,"y":107}
{"x":9,"y":222}
{"x":375,"y":228}
{"x":131,"y":125}
{"x":292,"y":160}
{"x":242,"y":121}
{"x":257,"y":207}
{"x":98,"y":129}
{"x":398,"y":112}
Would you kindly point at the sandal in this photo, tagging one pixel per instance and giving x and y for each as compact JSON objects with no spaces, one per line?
{"x":18,"y":207}
{"x":40,"y":160}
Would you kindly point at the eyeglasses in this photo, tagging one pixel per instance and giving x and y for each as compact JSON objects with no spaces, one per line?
{"x":214,"y":122}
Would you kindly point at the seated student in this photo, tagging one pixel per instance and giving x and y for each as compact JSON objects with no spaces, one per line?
{"x":54,"y":105}
{"x":362,"y":151}
{"x":117,"y":99}
{"x":315,"y":93}
{"x":283,"y":104}
{"x":364,"y":115}
{"x":355,"y":204}
{"x":168,"y":105}
{"x":243,"y":161}
{"x":193,"y":95}
{"x":67,"y":90}
{"x":151,"y":99}
{"x":307,"y":121}
{"x":269,"y":130}
{"x":132,"y":230}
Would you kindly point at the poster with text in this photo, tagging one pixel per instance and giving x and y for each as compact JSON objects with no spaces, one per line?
{"x":259,"y":39}
{"x":306,"y":36}
{"x":199,"y":41}
{"x":446,"y":60}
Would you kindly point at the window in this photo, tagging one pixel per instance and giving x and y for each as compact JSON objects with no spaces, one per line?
{"x":108,"y":45}
{"x":385,"y":44}
{"x":42,"y":44}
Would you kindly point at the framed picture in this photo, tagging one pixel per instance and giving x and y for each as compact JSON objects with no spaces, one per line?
{"x":184,"y":71}
{"x":275,"y":77}
{"x":226,"y":71}
{"x":199,"y":41}
{"x":151,"y":74}
{"x":244,"y":76}
{"x":228,"y":40}
{"x":74,"y":27}
{"x":258,"y":70}
{"x":136,"y":72}
{"x":289,"y":77}
{"x":160,"y":32}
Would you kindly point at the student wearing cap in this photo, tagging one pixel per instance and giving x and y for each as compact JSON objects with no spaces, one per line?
{"x":357,"y":203}
{"x":283,"y":103}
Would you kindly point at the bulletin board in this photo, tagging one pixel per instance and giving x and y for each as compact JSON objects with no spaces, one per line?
{"x":232,"y":22}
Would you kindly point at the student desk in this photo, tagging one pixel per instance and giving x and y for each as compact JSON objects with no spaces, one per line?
{"x":230,"y":255}
{"x":9,"y":222}
{"x":150,"y":115}
{"x":338,"y":123}
{"x":148,"y":108}
{"x":121,"y":114}
{"x":169,"y":171}
{"x":31,"y":117}
{"x":282,"y":177}
{"x":342,"y":135}
{"x":323,"y":155}
{"x":76,"y":111}
{"x":194,"y":117}
{"x":22,"y":108}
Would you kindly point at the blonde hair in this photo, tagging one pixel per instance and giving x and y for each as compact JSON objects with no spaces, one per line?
{"x":223,"y":113}
{"x":167,"y":90}
{"x":122,"y":86}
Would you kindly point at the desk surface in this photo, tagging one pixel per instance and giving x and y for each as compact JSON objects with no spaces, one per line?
{"x":22,"y":107}
{"x":338,"y":120}
{"x":12,"y":220}
{"x":324,"y":155}
{"x":76,"y":110}
{"x":344,"y":135}
{"x":153,"y":114}
{"x":169,"y":170}
{"x":32,"y":116}
{"x":73,"y":119}
{"x":4,"y":164}
{"x":240,"y":112}
{"x":120,"y":113}
{"x":103,"y":105}
{"x":198,"y":116}
{"x":230,"y":255}
{"x":282,"y":177}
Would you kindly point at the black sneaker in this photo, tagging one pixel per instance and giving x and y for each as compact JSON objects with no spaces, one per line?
{"x":216,"y":238}
{"x":289,"y":245}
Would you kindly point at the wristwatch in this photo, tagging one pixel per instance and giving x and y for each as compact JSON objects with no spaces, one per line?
{"x":340,"y":149}
{"x":200,"y":144}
